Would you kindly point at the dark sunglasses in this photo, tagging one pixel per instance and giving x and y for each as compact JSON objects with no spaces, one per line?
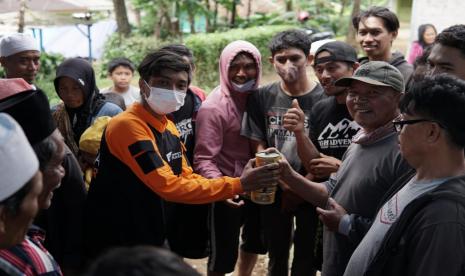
{"x":399,"y":124}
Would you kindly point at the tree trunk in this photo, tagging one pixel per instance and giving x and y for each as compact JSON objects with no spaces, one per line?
{"x":249,"y":9}
{"x":288,"y":5}
{"x":22,"y":11}
{"x":207,"y":19}
{"x":351,"y":33}
{"x":215,"y":16}
{"x":343,"y":7}
{"x":233,"y":14}
{"x":192,"y":21}
{"x":121,"y":17}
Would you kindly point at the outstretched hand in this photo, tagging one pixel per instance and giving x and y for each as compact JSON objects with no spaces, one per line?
{"x":254,"y":178}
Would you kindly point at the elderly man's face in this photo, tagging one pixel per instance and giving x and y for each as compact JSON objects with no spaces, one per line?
{"x":24,"y":65}
{"x":54,"y":171}
{"x":14,"y":226}
{"x":445,"y":59}
{"x":372,"y":106}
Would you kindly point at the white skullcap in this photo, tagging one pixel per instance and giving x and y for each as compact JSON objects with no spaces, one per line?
{"x":16,"y":43}
{"x":18,"y":161}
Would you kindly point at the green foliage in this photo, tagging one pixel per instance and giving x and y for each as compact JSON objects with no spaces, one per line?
{"x":207,"y":50}
{"x":44,"y":80}
{"x":135,"y":48}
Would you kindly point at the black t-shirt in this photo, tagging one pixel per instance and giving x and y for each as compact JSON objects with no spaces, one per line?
{"x":331,"y":127}
{"x":183,"y":121}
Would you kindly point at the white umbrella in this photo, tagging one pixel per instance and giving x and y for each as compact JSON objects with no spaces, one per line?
{"x":44,"y":6}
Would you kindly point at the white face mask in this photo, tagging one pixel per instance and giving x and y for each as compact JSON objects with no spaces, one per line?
{"x":242,"y":88}
{"x":164,"y":101}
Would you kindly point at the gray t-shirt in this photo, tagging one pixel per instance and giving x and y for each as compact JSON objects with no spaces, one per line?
{"x":365,"y":175}
{"x":387,"y":215}
{"x":263,"y":119}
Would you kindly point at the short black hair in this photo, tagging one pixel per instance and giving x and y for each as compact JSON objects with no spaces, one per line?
{"x":181,"y":50}
{"x":440,"y":98}
{"x":160,"y":60}
{"x":290,"y":39}
{"x":390,"y":20}
{"x":45,"y":150}
{"x":125,"y":62}
{"x":13,"y":202}
{"x":454,"y":37}
{"x":140,"y":261}
{"x":421,"y":33}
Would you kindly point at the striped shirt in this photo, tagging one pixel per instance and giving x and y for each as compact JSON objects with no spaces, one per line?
{"x":29,"y":257}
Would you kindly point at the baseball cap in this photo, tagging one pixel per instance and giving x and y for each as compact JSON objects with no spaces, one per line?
{"x":18,"y":162}
{"x":376,"y":73}
{"x":339,"y":51}
{"x":16,"y":43}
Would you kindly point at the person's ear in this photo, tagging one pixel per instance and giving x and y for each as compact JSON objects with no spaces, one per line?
{"x":144,"y":90}
{"x":3,"y":219}
{"x":310,"y":58}
{"x":434,"y":132}
{"x":394,"y":35}
{"x":355,"y":66}
{"x":271,"y":60}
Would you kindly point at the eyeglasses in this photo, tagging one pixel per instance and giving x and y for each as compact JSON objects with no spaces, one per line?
{"x":399,"y":124}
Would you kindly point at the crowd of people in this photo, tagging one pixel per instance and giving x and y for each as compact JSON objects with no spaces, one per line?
{"x":130,"y":180}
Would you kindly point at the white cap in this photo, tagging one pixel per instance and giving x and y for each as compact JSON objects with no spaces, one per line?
{"x":16,"y":43}
{"x":18,"y":161}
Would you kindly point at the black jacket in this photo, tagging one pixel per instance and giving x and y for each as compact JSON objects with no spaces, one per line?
{"x":429,"y":236}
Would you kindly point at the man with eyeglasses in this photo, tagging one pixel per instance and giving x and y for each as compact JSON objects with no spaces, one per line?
{"x":370,"y":167}
{"x":419,"y":230}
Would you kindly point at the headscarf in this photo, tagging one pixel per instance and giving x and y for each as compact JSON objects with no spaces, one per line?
{"x":72,"y":122}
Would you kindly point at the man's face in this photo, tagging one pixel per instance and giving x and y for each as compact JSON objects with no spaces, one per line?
{"x":413,"y":139}
{"x":24,"y":65}
{"x":372,"y":106}
{"x":242,"y":69}
{"x":166,"y":79}
{"x":290,"y":64}
{"x":121,"y":77}
{"x":445,"y":59}
{"x":54,"y":171}
{"x":374,"y":38}
{"x":329,"y":72}
{"x":15,"y":226}
{"x":70,"y":92}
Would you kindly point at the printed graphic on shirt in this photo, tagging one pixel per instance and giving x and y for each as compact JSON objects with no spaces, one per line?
{"x":389,"y":212}
{"x":281,"y":138}
{"x":185,"y":129}
{"x":339,"y":135}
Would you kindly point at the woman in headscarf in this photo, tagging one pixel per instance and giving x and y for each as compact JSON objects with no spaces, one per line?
{"x":82,"y":102}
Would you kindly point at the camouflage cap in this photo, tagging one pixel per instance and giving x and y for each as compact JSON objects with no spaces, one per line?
{"x":376,"y":73}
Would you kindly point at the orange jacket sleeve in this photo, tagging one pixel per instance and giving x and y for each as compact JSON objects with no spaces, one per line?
{"x":124,"y":132}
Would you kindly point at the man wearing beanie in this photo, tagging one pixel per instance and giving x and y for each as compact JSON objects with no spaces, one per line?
{"x":20,"y":183}
{"x":370,"y":167}
{"x":19,"y":56}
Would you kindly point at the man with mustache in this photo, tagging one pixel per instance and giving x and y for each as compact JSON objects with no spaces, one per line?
{"x":263,"y":125}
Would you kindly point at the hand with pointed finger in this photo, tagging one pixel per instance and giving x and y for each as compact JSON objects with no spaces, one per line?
{"x":259,"y":177}
{"x":332,"y":215}
{"x":294,"y":118}
{"x":234,"y":202}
